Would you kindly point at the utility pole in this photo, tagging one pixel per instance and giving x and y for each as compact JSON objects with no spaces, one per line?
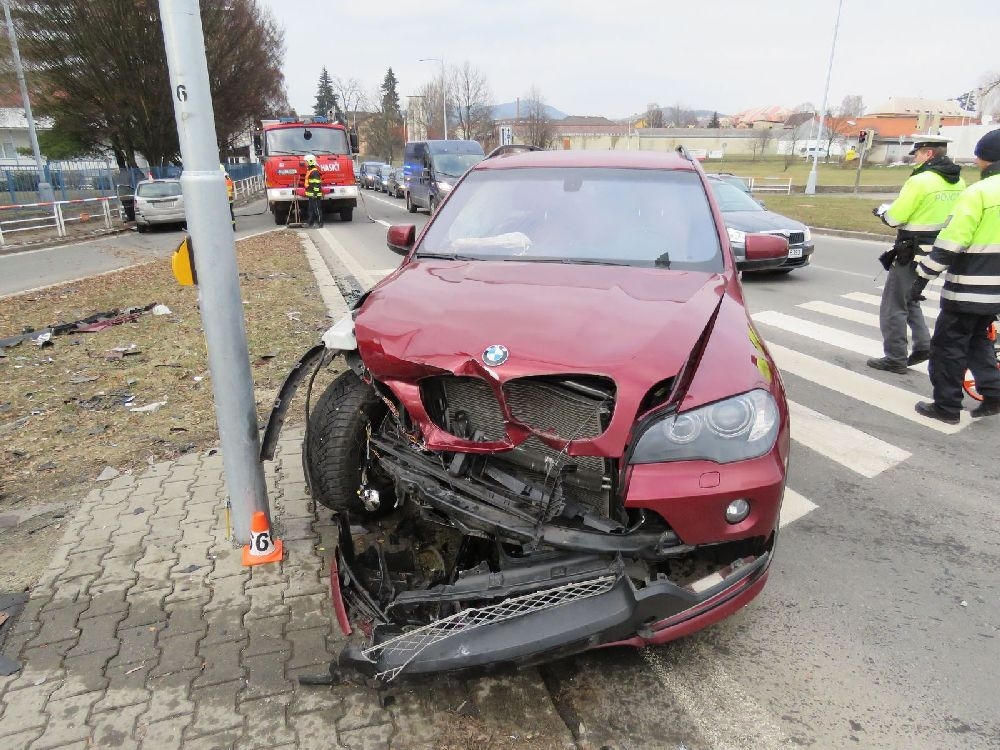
{"x":204,"y":189}
{"x":811,"y":180}
{"x":45,"y":192}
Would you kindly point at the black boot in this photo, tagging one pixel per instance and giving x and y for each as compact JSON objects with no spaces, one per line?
{"x":988,"y":408}
{"x":888,"y":365}
{"x":932,"y":410}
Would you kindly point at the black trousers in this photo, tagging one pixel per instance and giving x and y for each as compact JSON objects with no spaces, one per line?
{"x":315,"y":211}
{"x":960,"y":343}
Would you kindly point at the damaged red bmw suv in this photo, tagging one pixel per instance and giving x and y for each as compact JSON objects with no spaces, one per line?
{"x":557,"y":429}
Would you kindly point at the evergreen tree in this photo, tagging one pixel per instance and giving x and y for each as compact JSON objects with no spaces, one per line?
{"x":714,"y":122}
{"x":390,"y":97}
{"x":325,"y":98}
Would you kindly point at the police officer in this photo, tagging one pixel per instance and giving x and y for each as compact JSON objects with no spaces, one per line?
{"x":919,"y":212}
{"x":314,"y":191}
{"x":968,"y":252}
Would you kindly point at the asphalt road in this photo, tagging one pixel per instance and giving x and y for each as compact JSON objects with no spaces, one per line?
{"x":880,"y":625}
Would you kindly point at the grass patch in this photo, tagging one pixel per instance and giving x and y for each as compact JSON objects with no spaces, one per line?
{"x":830,"y":212}
{"x":826,"y":174}
{"x":65,"y":410}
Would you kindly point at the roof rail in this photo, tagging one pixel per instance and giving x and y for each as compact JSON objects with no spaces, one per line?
{"x":509,"y":148}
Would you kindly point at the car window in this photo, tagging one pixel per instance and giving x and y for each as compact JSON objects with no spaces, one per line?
{"x":455,"y":165}
{"x":731,"y":198}
{"x":621,"y":216}
{"x":158,"y":189}
{"x":305,"y":140}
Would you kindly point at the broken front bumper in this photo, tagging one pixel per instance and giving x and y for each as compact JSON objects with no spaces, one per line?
{"x":584,"y":602}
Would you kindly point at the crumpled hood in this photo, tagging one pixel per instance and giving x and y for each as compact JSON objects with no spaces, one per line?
{"x":636,"y":325}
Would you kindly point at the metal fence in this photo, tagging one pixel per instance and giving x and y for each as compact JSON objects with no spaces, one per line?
{"x":65,"y":217}
{"x":771,"y":185}
{"x":82,"y":180}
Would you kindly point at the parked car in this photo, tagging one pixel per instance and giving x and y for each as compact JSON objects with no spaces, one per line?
{"x":732,"y":179}
{"x":743,"y":215}
{"x":158,"y":202}
{"x":367,"y":173}
{"x":382,"y":177}
{"x":397,"y":183}
{"x":555,"y":428}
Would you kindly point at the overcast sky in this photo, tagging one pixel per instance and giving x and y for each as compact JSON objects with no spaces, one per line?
{"x":613,"y":58}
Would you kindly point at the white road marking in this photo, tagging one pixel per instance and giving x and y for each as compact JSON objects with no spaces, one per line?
{"x":844,"y":313}
{"x":357,"y":270}
{"x":850,"y":447}
{"x":870,"y":299}
{"x":793,"y":507}
{"x":839,"y":270}
{"x":826,"y":335}
{"x":875,"y":393}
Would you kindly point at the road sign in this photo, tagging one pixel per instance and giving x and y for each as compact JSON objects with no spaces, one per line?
{"x":506,"y":135}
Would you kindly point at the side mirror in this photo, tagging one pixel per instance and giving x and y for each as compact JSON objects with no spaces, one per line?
{"x":763,"y":252}
{"x":401,"y":237}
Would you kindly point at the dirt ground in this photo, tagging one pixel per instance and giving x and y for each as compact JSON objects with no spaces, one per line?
{"x":133,"y":394}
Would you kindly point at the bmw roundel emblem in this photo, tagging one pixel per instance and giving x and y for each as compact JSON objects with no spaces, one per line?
{"x":495,"y":355}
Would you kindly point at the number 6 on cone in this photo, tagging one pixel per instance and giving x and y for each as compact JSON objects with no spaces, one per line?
{"x":262,"y":548}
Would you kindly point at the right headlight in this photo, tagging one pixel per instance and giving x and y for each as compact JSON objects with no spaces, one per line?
{"x":735,"y":429}
{"x":735,"y":235}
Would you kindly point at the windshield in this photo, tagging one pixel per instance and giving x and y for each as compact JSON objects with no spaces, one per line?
{"x":731,"y":198}
{"x":579,"y":215}
{"x":454,"y":165}
{"x":158,"y":190}
{"x":306,"y":140}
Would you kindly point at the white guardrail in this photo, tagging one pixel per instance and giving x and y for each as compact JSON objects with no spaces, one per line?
{"x":771,"y":185}
{"x":59,"y":215}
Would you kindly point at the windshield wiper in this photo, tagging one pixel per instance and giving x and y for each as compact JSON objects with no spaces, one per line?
{"x":445,"y":256}
{"x":573,"y":261}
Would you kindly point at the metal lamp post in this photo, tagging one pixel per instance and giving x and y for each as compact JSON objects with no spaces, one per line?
{"x":44,"y":188}
{"x":444,"y":93}
{"x":811,"y":181}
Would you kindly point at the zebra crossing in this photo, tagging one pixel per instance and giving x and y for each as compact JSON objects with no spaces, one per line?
{"x":803,"y":344}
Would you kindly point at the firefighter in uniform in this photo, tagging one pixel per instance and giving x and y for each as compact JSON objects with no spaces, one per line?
{"x":314,"y":191}
{"x":919,"y":212}
{"x":967,"y":251}
{"x":231,"y":193}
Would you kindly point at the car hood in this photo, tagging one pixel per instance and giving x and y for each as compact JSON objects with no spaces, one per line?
{"x":635,"y":325}
{"x":760,"y":221}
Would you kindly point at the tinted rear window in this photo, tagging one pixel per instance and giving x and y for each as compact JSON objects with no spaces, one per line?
{"x":158,"y":189}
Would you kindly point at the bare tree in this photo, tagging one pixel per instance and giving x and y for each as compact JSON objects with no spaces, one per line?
{"x":852,"y":106}
{"x":654,"y":116}
{"x":430,"y":116}
{"x":100,"y":69}
{"x":352,"y":96}
{"x":988,"y":95}
{"x":762,"y":137}
{"x":472,"y":103}
{"x":678,"y":116}
{"x":536,"y":127}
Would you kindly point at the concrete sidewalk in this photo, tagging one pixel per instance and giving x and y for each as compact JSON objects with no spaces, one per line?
{"x":145,"y":631}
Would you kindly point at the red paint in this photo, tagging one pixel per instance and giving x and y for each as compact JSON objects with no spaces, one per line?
{"x":338,"y":601}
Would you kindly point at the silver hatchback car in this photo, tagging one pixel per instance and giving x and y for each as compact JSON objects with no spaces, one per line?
{"x":158,"y":202}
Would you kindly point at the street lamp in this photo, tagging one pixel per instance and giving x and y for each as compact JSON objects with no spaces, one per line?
{"x":811,"y":181}
{"x":444,"y":92}
{"x":44,"y":188}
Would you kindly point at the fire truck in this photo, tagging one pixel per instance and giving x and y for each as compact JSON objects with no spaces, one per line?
{"x":284,"y":144}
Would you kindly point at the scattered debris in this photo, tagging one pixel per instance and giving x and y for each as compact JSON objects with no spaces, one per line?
{"x":109,"y":473}
{"x":148,"y":407}
{"x":963,"y":603}
{"x":82,"y":379}
{"x":161,"y":310}
{"x":90,"y":324}
{"x":47,"y":466}
{"x":44,"y":340}
{"x":294,"y":315}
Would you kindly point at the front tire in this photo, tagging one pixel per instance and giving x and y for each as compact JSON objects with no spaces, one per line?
{"x":409,"y":204}
{"x":335,"y":447}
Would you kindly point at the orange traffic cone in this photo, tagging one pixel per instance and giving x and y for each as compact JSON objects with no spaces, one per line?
{"x":262,"y":548}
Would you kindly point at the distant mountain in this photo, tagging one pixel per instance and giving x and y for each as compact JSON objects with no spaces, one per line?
{"x":508,"y":111}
